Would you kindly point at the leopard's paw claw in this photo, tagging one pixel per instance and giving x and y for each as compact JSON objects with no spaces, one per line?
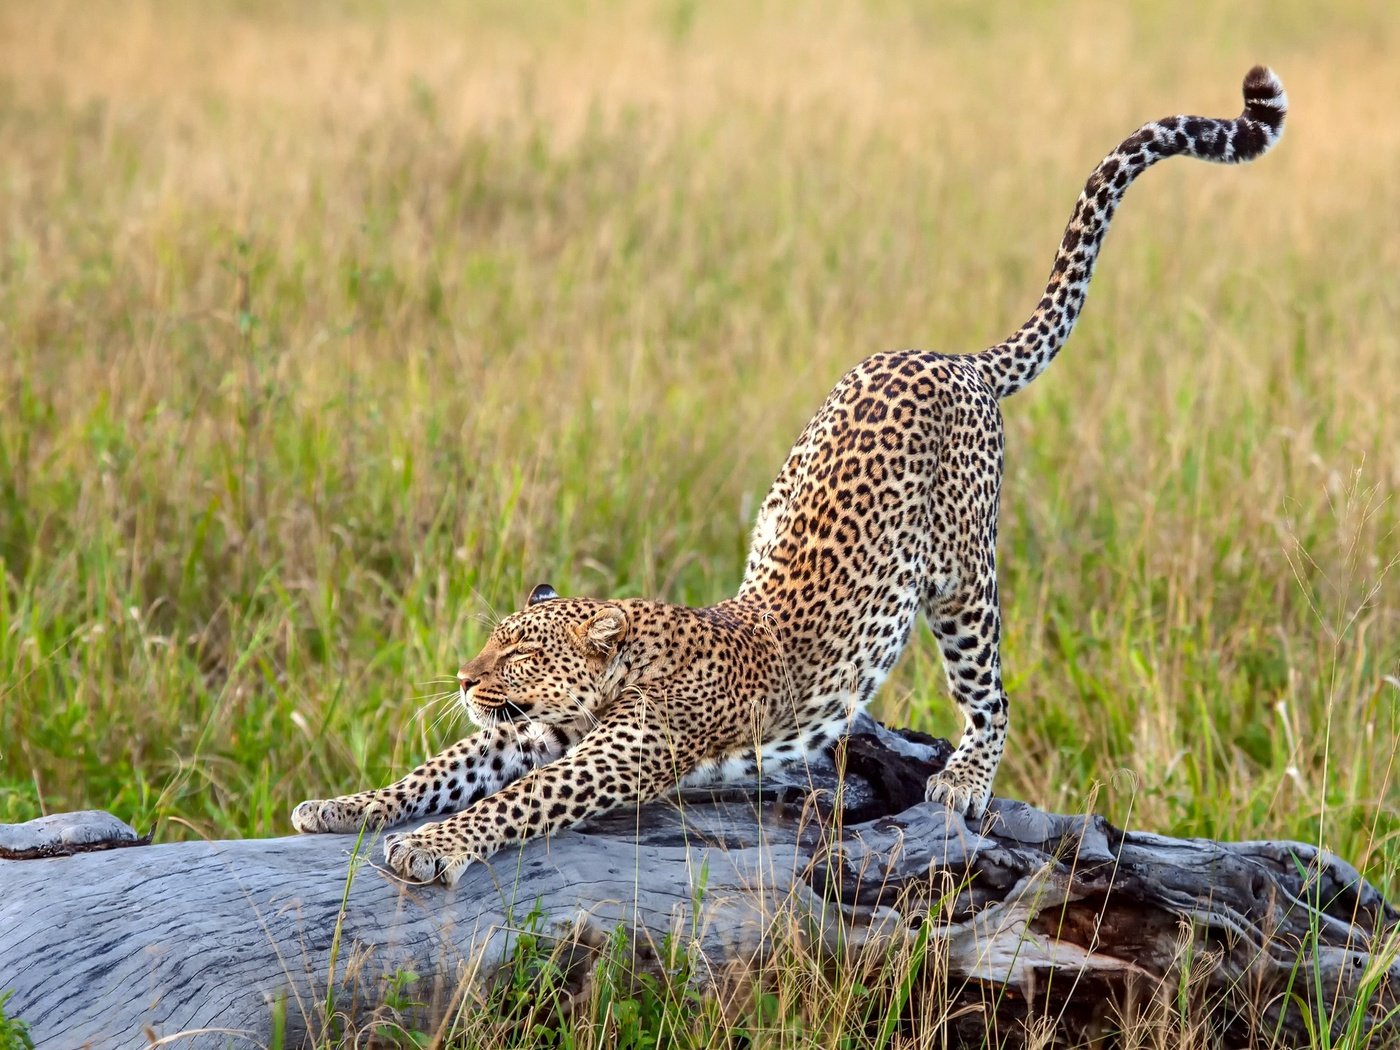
{"x":409,"y":856}
{"x":306,"y":818}
{"x":961,"y":793}
{"x":338,"y":816}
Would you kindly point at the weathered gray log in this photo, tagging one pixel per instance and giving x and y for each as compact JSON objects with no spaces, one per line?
{"x":122,"y":947}
{"x":63,"y":834}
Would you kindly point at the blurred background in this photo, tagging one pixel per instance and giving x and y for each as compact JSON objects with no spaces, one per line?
{"x":328,"y":329}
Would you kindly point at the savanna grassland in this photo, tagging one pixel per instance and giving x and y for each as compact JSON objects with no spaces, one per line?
{"x":327,"y":330}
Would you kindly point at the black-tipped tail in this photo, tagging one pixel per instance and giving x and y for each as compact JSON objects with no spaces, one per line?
{"x":1009,"y":366}
{"x":1266,"y":103}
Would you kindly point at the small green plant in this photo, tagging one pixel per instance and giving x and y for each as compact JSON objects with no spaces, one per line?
{"x":14,"y":1033}
{"x":650,"y":1000}
{"x":398,"y":998}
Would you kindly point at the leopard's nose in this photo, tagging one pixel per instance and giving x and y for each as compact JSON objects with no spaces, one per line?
{"x":467,"y":679}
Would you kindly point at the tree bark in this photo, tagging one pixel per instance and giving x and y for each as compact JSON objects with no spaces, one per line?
{"x":120,"y":947}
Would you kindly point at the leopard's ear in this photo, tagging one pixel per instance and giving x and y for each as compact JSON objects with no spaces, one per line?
{"x":600,"y":633}
{"x":543,"y":592}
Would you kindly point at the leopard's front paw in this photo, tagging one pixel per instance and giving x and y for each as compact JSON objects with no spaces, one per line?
{"x":338,"y":816}
{"x":413,"y":856}
{"x":961,"y":789}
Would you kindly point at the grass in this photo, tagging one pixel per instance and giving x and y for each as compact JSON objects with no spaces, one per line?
{"x":328,"y":331}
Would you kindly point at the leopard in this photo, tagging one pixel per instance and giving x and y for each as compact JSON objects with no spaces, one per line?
{"x":886,"y":508}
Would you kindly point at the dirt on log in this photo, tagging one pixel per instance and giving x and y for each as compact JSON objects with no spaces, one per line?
{"x":108,"y":947}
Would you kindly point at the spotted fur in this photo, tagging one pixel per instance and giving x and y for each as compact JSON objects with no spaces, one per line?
{"x":885,"y":508}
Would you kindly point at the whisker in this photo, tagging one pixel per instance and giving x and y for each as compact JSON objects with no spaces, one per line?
{"x":433,"y":698}
{"x":441,"y":701}
{"x":587,"y":713}
{"x":446,"y":714}
{"x":490,"y":617}
{"x":436,"y":698}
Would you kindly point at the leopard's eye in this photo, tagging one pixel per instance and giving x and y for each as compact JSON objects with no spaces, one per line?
{"x":522,"y":650}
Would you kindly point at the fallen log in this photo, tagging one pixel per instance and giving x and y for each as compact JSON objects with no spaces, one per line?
{"x":217,"y":943}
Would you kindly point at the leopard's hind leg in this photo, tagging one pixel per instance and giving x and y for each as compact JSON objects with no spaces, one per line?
{"x":968,"y":629}
{"x":961,"y":600}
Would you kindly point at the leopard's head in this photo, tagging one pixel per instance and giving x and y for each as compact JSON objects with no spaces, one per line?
{"x":550,"y":662}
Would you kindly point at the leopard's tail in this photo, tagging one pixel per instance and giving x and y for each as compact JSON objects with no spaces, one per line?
{"x":1010,"y":365}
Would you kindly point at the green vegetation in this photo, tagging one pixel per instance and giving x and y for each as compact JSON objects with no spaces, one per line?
{"x":14,"y":1034}
{"x":326,"y":331}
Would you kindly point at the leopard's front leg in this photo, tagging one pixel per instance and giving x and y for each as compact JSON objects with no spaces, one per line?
{"x":469,"y":770}
{"x":628,"y":759}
